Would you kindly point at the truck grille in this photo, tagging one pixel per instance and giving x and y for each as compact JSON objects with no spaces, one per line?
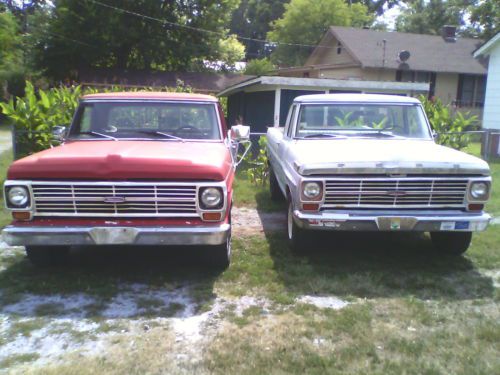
{"x":395,"y":193}
{"x":114,"y":199}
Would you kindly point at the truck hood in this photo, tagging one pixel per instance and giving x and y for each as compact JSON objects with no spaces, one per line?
{"x":313,"y":157}
{"x":127,"y":160}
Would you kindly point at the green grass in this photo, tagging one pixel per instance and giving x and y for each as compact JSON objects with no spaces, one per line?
{"x":6,"y":158}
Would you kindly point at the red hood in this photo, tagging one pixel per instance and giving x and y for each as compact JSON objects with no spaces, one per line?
{"x":127,"y":160}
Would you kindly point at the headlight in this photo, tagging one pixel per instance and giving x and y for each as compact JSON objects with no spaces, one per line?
{"x":211,"y":198}
{"x":312,"y":190}
{"x":479,"y":190}
{"x":17,"y":196}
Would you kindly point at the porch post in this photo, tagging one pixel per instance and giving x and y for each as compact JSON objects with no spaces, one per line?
{"x":277,"y":105}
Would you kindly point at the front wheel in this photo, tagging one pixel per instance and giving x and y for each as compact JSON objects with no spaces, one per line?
{"x":220,"y":255}
{"x":451,"y":243}
{"x":45,"y":256}
{"x":297,"y":237}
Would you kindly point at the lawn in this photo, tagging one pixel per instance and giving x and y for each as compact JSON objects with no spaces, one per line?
{"x":371,"y":304}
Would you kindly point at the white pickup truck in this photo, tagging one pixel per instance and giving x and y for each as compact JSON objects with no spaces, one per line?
{"x":361,"y":162}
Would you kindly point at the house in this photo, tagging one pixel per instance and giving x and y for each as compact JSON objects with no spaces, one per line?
{"x":264,"y":101}
{"x":445,"y":62}
{"x":491,"y":114}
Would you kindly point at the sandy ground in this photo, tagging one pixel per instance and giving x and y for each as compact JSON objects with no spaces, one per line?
{"x":249,"y":221}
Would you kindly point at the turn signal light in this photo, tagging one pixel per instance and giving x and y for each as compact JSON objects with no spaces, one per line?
{"x":21,"y":215}
{"x":211,"y":216}
{"x":476,"y":207}
{"x":310,"y":207}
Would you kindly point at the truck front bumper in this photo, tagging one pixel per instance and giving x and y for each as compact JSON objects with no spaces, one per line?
{"x":394,"y":221}
{"x":180,"y":235}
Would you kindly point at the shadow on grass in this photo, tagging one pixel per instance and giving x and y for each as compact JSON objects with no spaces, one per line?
{"x":373,"y":264}
{"x":153,"y":281}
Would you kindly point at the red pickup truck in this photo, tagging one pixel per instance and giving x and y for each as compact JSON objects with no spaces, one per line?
{"x":133,"y":169}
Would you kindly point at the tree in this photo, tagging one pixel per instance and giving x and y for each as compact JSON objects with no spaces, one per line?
{"x":109,"y":34}
{"x":11,"y":56}
{"x":485,"y":18}
{"x":259,"y":67}
{"x":428,"y":17}
{"x":252,"y":19}
{"x":305,"y":22}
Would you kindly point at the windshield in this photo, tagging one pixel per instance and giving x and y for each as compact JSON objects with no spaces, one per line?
{"x":364,"y":120}
{"x":155,"y":120}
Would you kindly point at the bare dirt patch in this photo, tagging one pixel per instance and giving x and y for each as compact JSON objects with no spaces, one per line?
{"x":250,"y":221}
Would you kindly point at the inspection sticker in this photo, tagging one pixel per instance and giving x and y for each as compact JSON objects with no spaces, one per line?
{"x":447,"y":225}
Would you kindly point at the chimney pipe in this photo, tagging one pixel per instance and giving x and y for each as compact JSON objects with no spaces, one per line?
{"x":448,"y":32}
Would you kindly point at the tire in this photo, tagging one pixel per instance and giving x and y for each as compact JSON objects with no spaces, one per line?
{"x":274,"y":188}
{"x":297,"y":237}
{"x":451,"y":243}
{"x":220,"y":255}
{"x":46,"y":256}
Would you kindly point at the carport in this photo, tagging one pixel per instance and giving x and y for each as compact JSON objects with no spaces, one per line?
{"x":264,"y":101}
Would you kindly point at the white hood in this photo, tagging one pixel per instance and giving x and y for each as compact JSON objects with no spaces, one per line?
{"x":382,"y":156}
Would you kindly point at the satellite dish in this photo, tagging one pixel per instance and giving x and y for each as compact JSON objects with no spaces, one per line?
{"x":404,"y":55}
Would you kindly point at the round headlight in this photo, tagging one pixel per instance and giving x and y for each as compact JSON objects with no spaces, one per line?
{"x":18,"y":196}
{"x":479,"y":190}
{"x":211,"y":197}
{"x":312,"y":190}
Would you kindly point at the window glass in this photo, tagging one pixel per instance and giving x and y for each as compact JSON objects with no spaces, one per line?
{"x":291,"y":115}
{"x":361,"y":119}
{"x":136,"y":119}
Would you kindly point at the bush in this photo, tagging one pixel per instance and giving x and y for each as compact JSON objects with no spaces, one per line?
{"x":444,"y":121}
{"x":35,"y":114}
{"x":259,"y":67}
{"x":258,"y":170}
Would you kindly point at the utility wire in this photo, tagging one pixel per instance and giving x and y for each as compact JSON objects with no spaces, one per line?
{"x":201,"y":30}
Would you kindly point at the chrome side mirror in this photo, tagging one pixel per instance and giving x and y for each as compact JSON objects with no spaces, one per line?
{"x":240,"y":133}
{"x":58,"y":133}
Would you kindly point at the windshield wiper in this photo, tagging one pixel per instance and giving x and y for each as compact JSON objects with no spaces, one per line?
{"x":323,"y":135}
{"x":170,"y":136}
{"x":100,"y":135}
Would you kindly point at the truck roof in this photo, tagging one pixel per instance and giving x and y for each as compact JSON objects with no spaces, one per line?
{"x":356,"y":98}
{"x":150,"y":95}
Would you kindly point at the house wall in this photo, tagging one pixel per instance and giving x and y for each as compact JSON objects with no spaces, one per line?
{"x":330,"y":55}
{"x":359,"y":73}
{"x":446,"y":87}
{"x":491,"y":117}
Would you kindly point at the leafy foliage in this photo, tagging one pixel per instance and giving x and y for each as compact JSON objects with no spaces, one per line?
{"x":258,"y":171}
{"x":443,"y":121}
{"x":305,"y":22}
{"x":88,"y":34}
{"x":252,"y":19}
{"x":259,"y":67}
{"x":34,"y":115}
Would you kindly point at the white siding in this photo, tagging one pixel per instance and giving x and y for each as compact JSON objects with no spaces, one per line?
{"x":491,"y":117}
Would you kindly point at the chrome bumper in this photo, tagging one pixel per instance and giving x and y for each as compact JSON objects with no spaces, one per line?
{"x":210,"y":235}
{"x":395,"y":221}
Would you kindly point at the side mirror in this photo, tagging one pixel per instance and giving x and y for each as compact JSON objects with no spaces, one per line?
{"x":240,"y":133}
{"x":58,"y":133}
{"x":435,"y":135}
{"x":239,"y":136}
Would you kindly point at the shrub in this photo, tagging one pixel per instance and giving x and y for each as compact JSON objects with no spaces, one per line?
{"x":35,"y":114}
{"x":258,"y":170}
{"x":443,"y":121}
